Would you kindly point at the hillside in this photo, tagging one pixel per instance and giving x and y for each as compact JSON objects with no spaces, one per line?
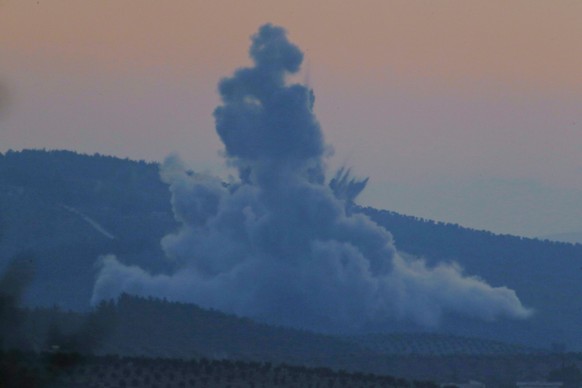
{"x":57,"y":206}
{"x":143,"y":327}
{"x":71,"y":370}
{"x":572,"y":237}
{"x":159,"y":332}
{"x":428,"y":344}
{"x":134,"y":326}
{"x":68,"y":209}
{"x":545,"y":274}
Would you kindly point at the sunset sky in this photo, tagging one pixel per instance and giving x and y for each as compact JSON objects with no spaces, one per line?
{"x":460,"y":111}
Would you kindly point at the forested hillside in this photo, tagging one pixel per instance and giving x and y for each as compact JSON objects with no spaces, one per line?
{"x":67,"y":209}
{"x":72,"y":371}
{"x":428,"y":344}
{"x":134,"y":326}
{"x":546,"y":275}
{"x":141,"y":327}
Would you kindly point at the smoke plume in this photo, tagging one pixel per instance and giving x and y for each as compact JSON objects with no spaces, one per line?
{"x":278,"y":244}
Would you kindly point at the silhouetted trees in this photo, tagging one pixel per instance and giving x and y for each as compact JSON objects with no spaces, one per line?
{"x":570,"y":375}
{"x":14,"y":281}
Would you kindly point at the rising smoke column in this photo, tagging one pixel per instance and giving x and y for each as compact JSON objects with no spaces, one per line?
{"x":278,"y":244}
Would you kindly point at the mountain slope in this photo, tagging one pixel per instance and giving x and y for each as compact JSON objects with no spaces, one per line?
{"x":572,"y":237}
{"x":65,"y":207}
{"x":134,"y":326}
{"x":546,"y":275}
{"x":428,"y":344}
{"x":53,"y":204}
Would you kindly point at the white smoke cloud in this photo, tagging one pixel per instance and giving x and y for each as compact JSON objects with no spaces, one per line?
{"x":279,"y":244}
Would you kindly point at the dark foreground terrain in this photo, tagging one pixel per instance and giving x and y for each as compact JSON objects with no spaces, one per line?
{"x":155,"y":341}
{"x":56,"y":369}
{"x":73,"y":370}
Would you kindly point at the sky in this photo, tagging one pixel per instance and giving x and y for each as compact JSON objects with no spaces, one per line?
{"x":464,"y":112}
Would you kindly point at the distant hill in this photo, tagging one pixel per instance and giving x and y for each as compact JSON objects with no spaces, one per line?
{"x":145,"y":327}
{"x":66,"y":370}
{"x":140,"y":372}
{"x":186,"y":330}
{"x":68,"y":209}
{"x":135,"y":326}
{"x":546,"y":275}
{"x":572,"y":237}
{"x":428,"y":344}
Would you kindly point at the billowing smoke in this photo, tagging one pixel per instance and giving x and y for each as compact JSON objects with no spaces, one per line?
{"x":278,"y":244}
